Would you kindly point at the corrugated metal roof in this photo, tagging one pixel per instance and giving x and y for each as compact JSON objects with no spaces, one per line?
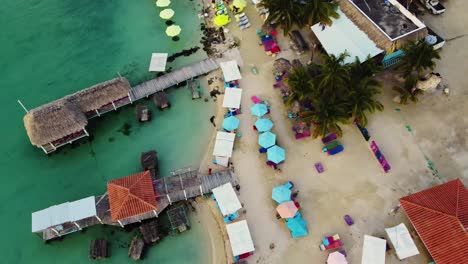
{"x":439,"y":215}
{"x":131,"y":195}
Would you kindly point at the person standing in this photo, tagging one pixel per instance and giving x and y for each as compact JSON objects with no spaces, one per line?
{"x":212,"y":120}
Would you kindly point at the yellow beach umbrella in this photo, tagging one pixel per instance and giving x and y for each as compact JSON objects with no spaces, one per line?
{"x":221,"y":20}
{"x":166,"y":13}
{"x":163,"y":3}
{"x":173,"y":30}
{"x":239,"y":4}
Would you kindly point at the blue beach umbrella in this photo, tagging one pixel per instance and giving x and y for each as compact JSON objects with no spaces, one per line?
{"x":267,"y":139}
{"x":231,"y":123}
{"x":276,"y":154}
{"x":259,"y":109}
{"x":297,"y":225}
{"x":263,"y":124}
{"x":281,"y":193}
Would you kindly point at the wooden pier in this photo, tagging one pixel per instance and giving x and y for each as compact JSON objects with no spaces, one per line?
{"x":173,"y":78}
{"x":194,"y":87}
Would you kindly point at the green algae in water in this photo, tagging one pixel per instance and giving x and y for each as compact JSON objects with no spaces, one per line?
{"x":56,"y":47}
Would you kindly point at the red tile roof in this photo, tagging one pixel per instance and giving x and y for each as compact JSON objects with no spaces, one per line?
{"x":131,"y":195}
{"x":440,"y":216}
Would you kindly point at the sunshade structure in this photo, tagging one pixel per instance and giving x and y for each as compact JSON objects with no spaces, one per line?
{"x":373,"y":250}
{"x":69,"y":212}
{"x":223,"y":147}
{"x":402,"y":241}
{"x":132,"y":196}
{"x":336,"y":258}
{"x":297,"y":225}
{"x":227,"y":199}
{"x":163,"y":3}
{"x":263,"y":124}
{"x":240,"y":238}
{"x":282,"y":193}
{"x":267,"y":139}
{"x":232,"y":98}
{"x":158,"y":62}
{"x":343,"y":35}
{"x":221,"y":20}
{"x":240,"y":4}
{"x":440,"y":216}
{"x":259,"y":110}
{"x":276,"y":154}
{"x":282,"y":65}
{"x":230,"y":70}
{"x":231,"y":123}
{"x":166,"y":13}
{"x":173,"y":30}
{"x":287,"y":209}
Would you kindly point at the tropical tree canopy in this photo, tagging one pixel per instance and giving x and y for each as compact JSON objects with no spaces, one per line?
{"x":319,"y":11}
{"x":361,"y":99}
{"x":326,"y":117}
{"x":408,"y":91}
{"x":334,"y":75}
{"x":419,"y":56}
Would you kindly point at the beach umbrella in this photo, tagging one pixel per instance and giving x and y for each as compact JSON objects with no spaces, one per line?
{"x":282,"y":65}
{"x":297,"y":225}
{"x":263,"y":124}
{"x":240,"y":4}
{"x":281,"y":193}
{"x":267,"y":139}
{"x":173,"y":30}
{"x":231,"y":123}
{"x":336,"y":258}
{"x":287,"y":209}
{"x":276,"y":154}
{"x":259,"y":109}
{"x":166,"y":13}
{"x":163,"y":3}
{"x":221,"y":20}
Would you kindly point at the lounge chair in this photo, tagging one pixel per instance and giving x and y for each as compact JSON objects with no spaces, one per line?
{"x":255,"y":99}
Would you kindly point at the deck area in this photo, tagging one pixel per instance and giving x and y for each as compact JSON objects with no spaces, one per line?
{"x":173,"y":78}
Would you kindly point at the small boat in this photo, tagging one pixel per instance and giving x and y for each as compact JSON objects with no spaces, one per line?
{"x":161,"y":100}
{"x":194,"y":87}
{"x":143,"y":113}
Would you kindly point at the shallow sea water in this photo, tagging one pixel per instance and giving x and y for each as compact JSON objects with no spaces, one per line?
{"x":51,"y":48}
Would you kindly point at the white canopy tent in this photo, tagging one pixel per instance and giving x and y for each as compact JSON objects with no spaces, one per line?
{"x":373,"y":250}
{"x":224,"y":144}
{"x":230,"y":70}
{"x":239,"y":236}
{"x":63,"y":213}
{"x":227,"y":199}
{"x":158,"y":62}
{"x":232,"y":98}
{"x":402,"y":241}
{"x":343,"y":35}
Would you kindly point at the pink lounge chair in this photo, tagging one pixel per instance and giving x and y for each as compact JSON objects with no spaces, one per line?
{"x":255,"y":99}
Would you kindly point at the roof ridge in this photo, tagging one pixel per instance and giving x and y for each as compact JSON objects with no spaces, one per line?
{"x":139,"y":178}
{"x":124,"y":201}
{"x":142,"y":200}
{"x":430,"y":209}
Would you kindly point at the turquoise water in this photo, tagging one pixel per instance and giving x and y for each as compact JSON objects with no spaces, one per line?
{"x":52,"y":48}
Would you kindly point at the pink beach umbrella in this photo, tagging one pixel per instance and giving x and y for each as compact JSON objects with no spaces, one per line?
{"x":336,"y":258}
{"x":287,"y":209}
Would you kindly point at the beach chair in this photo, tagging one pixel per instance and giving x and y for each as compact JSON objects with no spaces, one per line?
{"x":349,"y":221}
{"x":246,"y":26}
{"x":329,"y":137}
{"x":255,"y":99}
{"x":319,"y":167}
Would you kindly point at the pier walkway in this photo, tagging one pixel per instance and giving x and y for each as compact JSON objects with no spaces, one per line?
{"x":150,"y":87}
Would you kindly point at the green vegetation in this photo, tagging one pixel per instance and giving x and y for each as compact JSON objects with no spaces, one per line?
{"x":334,"y":93}
{"x":300,"y":12}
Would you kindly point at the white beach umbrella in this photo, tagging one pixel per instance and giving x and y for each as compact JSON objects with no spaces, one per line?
{"x":163,"y":3}
{"x":166,"y":13}
{"x":173,"y":30}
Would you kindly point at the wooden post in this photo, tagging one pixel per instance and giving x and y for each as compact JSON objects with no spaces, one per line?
{"x":45,"y":151}
{"x":24,"y":108}
{"x":86,"y":132}
{"x":155,"y":213}
{"x":201,"y":190}
{"x":99,"y":219}
{"x":97,"y":112}
{"x":114,"y":105}
{"x":120,"y":223}
{"x":185,"y":194}
{"x":169,"y":198}
{"x":129,"y":97}
{"x":77,"y":225}
{"x":56,"y":232}
{"x":53,"y":146}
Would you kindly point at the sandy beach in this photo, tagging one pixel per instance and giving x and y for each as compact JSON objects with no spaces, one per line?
{"x":353,"y":182}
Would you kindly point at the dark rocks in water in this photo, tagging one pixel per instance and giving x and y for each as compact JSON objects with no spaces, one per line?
{"x":176,"y":38}
{"x":125,"y":129}
{"x":169,"y":22}
{"x":111,"y":139}
{"x":187,"y":52}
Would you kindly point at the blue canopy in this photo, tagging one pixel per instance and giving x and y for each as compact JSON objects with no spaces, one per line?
{"x":259,"y":109}
{"x":297,"y":225}
{"x":231,"y":123}
{"x":267,"y":139}
{"x":282,"y":193}
{"x":276,"y":154}
{"x":263,"y":124}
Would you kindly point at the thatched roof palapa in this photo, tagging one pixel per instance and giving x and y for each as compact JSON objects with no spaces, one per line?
{"x":66,"y":116}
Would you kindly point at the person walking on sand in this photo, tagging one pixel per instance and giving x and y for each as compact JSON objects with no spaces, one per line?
{"x":212,"y":120}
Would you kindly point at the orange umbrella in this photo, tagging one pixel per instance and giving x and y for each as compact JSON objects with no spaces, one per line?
{"x":287,"y":209}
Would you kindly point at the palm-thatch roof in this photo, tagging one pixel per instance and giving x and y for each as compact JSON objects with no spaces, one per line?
{"x":282,"y":65}
{"x":65,"y":116}
{"x":375,"y":33}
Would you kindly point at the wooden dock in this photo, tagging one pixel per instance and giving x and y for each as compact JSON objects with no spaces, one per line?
{"x":173,"y":78}
{"x":194,"y":87}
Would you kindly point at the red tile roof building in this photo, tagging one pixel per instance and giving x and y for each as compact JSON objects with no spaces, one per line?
{"x":131,"y":195}
{"x":440,"y":216}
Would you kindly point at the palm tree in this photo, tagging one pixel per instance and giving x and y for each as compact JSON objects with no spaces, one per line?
{"x":334,"y":75}
{"x":298,"y":82}
{"x":408,"y":92}
{"x":419,"y":56}
{"x":361,"y":99}
{"x":326,"y":117}
{"x":360,"y":70}
{"x":284,"y":12}
{"x":319,"y":11}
